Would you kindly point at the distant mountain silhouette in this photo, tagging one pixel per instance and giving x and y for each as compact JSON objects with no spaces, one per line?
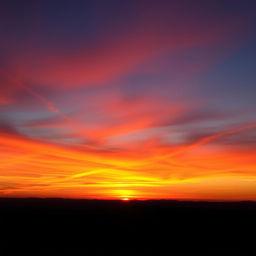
{"x":125,"y":228}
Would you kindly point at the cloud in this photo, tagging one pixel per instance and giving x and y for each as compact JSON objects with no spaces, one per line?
{"x":99,"y":106}
{"x":115,"y":52}
{"x":67,"y":167}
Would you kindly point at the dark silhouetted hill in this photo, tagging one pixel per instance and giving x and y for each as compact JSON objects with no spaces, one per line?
{"x":162,"y":227}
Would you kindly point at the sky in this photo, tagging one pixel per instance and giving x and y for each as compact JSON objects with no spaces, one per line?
{"x":128,"y":99}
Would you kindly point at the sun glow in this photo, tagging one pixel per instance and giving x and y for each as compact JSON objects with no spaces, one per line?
{"x":125,"y":199}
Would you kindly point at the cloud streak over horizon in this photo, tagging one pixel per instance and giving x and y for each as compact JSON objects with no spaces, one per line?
{"x":138,"y":99}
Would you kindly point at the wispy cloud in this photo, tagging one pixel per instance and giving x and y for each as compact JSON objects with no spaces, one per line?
{"x":109,"y":105}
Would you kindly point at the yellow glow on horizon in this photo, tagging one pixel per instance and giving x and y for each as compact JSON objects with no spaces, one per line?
{"x":44,"y":170}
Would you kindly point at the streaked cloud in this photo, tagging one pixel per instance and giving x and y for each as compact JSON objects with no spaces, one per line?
{"x":140,"y":105}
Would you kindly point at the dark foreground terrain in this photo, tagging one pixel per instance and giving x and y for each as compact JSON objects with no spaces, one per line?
{"x":95,"y":227}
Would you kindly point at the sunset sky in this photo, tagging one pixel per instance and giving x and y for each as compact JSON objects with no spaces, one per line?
{"x":128,"y":99}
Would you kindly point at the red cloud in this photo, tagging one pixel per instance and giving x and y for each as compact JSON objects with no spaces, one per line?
{"x":114,"y":54}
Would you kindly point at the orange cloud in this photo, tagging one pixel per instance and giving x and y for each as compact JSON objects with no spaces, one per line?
{"x":36,"y":168}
